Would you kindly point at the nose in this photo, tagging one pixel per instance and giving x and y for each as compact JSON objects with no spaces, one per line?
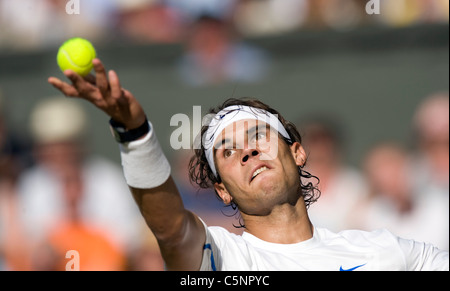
{"x":249,"y":153}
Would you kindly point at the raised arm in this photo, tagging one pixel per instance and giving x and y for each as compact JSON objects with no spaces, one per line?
{"x":180,"y":233}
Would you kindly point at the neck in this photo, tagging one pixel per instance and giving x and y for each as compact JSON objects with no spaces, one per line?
{"x":286,"y":224}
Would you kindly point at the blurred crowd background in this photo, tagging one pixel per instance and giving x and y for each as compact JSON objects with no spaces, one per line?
{"x":369,"y":94}
{"x":28,"y":24}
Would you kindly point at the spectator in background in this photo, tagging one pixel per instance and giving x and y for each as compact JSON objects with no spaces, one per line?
{"x":213,"y":52}
{"x":194,"y":9}
{"x":71,"y":200}
{"x":26,"y":24}
{"x":341,"y":186}
{"x":431,"y":130}
{"x":430,"y":167}
{"x":6,"y":187}
{"x":339,"y":15}
{"x":144,"y":21}
{"x":13,"y":161}
{"x":410,"y":190}
{"x":409,"y":12}
{"x":390,"y":203}
{"x":270,"y":17}
{"x":22,"y":23}
{"x":214,"y":55}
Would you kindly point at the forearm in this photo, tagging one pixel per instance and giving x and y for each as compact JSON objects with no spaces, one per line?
{"x":161,"y":207}
{"x":147,"y":172}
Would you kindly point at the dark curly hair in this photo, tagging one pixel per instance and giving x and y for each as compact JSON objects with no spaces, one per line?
{"x":200,"y":173}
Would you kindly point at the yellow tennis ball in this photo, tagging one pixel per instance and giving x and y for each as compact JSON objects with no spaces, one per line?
{"x":76,"y":54}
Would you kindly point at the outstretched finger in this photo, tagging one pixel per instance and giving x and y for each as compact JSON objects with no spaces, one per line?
{"x":116,"y":88}
{"x":85,"y":89}
{"x":65,"y":88}
{"x":76,"y":79}
{"x":91,"y":79}
{"x":101,"y":79}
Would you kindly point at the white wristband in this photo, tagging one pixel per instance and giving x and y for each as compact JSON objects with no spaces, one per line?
{"x":144,"y":164}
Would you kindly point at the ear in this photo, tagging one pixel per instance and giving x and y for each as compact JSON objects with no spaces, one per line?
{"x":223,"y":193}
{"x":298,"y":153}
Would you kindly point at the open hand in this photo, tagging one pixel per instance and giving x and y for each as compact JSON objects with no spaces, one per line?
{"x":105,"y":92}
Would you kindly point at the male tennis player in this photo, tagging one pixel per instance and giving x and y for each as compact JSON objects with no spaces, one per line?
{"x":253,"y":158}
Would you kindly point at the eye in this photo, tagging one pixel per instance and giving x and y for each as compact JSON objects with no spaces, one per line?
{"x":227,"y":153}
{"x":258,"y":136}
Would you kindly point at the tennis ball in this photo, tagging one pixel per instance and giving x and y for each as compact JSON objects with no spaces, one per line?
{"x":76,"y":54}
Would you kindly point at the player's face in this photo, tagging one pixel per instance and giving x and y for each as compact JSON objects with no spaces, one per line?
{"x":258,"y":169}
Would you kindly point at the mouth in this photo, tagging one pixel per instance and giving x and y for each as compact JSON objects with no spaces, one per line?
{"x":258,"y":171}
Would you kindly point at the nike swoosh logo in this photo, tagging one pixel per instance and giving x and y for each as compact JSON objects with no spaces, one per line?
{"x":351,"y":269}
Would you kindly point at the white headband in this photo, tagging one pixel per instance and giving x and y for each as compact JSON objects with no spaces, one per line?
{"x":230,"y":115}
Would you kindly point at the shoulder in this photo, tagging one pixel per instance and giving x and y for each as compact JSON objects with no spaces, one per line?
{"x":379,"y":243}
{"x":396,"y":253}
{"x":380,"y":236}
{"x":225,"y":240}
{"x":224,"y":250}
